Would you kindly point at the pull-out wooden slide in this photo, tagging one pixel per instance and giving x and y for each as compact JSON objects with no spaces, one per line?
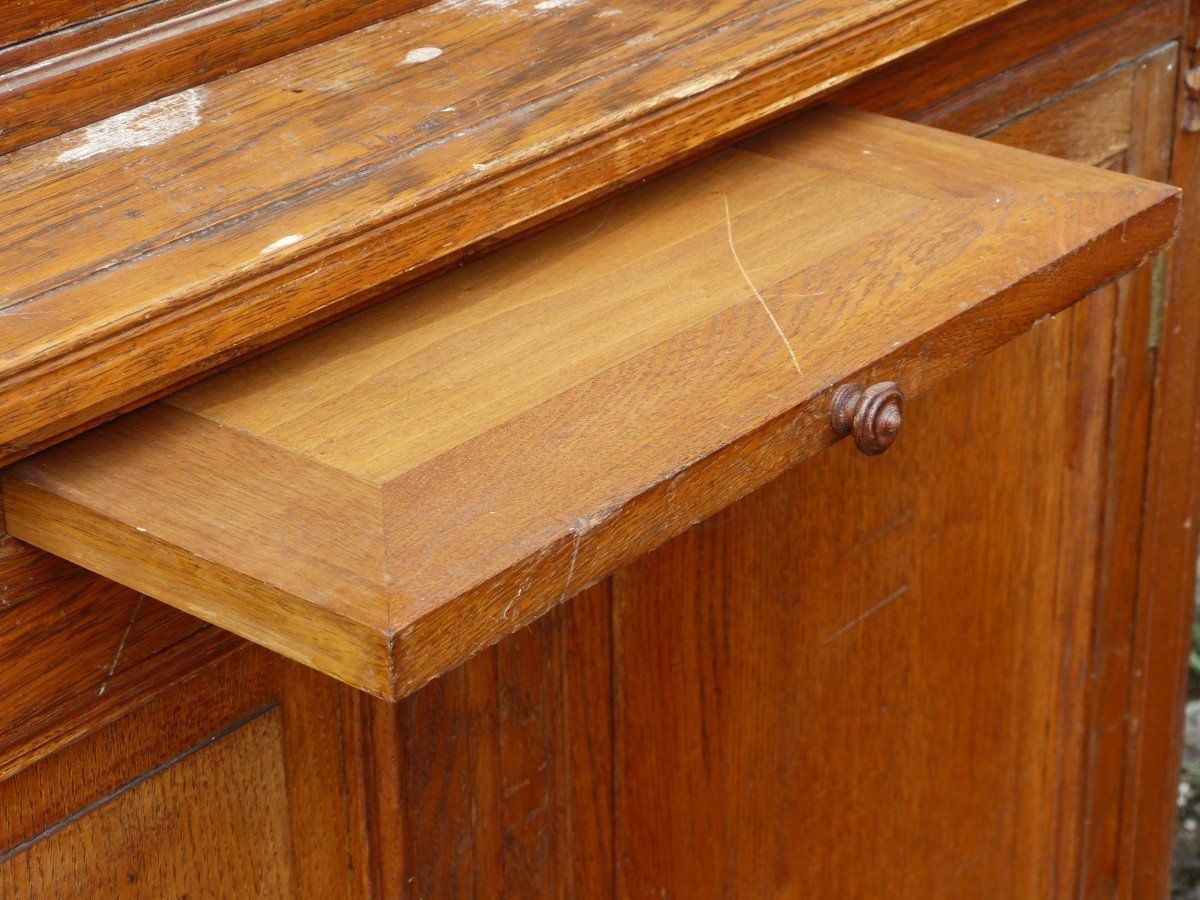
{"x":385,"y":497}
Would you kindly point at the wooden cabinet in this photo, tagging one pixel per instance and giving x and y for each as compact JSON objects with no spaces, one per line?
{"x":949,"y":671}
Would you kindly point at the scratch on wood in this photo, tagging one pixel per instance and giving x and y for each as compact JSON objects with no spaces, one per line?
{"x":762,"y":302}
{"x":571,"y":567}
{"x":121,"y":646}
{"x":285,"y":241}
{"x":700,"y":85}
{"x":903,"y":519}
{"x":862,"y":617}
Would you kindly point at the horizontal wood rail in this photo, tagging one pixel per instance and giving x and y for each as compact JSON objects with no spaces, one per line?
{"x":149,"y":248}
{"x":387,"y":496}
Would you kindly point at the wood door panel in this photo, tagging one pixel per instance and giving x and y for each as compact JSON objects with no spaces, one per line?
{"x":171,"y":833}
{"x":954,"y":746}
{"x":854,"y":668}
{"x":231,"y":784}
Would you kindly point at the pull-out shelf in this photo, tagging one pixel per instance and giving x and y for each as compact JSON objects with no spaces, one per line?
{"x":385,"y":497}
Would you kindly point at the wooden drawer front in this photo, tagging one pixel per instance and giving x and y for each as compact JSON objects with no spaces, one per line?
{"x":870,"y":677}
{"x":386,"y":497}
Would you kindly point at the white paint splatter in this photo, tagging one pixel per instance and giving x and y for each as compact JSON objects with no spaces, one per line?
{"x":609,"y":13}
{"x":422,"y":54}
{"x":285,"y":241}
{"x":547,"y":5}
{"x":142,"y":127}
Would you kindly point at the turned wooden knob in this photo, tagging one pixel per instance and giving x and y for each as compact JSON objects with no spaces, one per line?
{"x":873,"y":416}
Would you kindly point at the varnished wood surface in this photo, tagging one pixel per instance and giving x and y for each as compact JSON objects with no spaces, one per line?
{"x":119,"y":59}
{"x":1166,"y":575}
{"x":148,"y":248}
{"x":78,"y":651}
{"x":108,"y":852}
{"x":444,"y":751}
{"x":231,"y":784}
{"x":934,"y":748}
{"x":385,"y":497}
{"x":1114,"y":840}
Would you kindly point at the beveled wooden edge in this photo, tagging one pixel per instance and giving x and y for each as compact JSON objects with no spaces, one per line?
{"x":459,"y":627}
{"x":68,"y":386}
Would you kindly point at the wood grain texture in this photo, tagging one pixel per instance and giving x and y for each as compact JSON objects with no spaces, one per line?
{"x":497,"y":778}
{"x":541,"y":392}
{"x":988,"y":490}
{"x":1114,"y":839}
{"x":1167,"y":574}
{"x":122,"y":60}
{"x":241,"y":764}
{"x":146,"y":249}
{"x":148,"y":840}
{"x":77,"y":652}
{"x":859,"y":710}
{"x":25,"y":19}
{"x":969,"y":83}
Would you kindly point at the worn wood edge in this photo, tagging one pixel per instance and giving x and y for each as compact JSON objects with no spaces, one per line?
{"x":89,"y":379}
{"x":182,"y":42}
{"x":1167,"y":575}
{"x":454,"y":631}
{"x":351,"y":651}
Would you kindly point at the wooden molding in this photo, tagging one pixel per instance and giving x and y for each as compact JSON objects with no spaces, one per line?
{"x":105,"y":65}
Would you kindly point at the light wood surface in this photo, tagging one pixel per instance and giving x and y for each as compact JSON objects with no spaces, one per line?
{"x":1000,"y":675}
{"x":385,"y":497}
{"x":143,"y":250}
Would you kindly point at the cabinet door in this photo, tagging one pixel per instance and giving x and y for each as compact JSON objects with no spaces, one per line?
{"x":889,"y":686}
{"x":230,"y":784}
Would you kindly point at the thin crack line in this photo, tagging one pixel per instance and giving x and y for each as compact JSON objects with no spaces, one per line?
{"x":762,"y":302}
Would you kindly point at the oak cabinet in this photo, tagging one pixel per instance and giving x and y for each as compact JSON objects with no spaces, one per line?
{"x":951,"y":668}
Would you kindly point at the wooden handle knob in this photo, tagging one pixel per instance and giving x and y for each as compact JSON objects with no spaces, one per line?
{"x":873,"y":416}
